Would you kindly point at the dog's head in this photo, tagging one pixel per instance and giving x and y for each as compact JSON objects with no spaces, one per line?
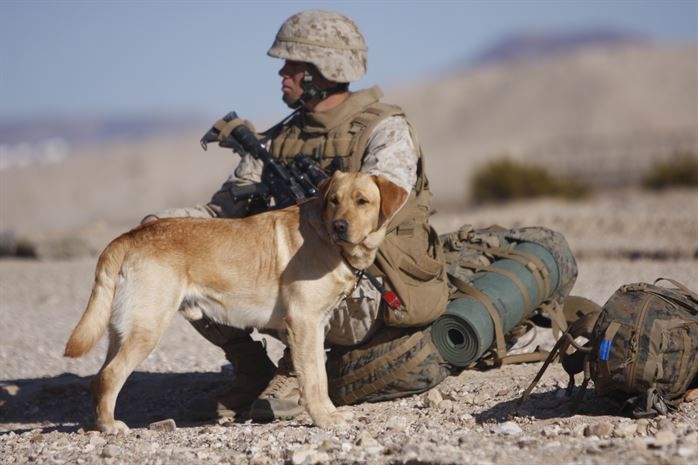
{"x":356,"y":210}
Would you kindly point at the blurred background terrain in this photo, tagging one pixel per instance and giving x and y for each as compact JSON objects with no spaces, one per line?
{"x":102,"y":112}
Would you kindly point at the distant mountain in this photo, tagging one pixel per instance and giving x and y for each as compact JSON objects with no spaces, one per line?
{"x":538,"y":44}
{"x":98,"y":129}
{"x":602,"y":114}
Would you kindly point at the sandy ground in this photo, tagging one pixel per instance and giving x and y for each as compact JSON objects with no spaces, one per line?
{"x":618,"y":237}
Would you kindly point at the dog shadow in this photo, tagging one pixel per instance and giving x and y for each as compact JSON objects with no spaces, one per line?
{"x":63,"y":403}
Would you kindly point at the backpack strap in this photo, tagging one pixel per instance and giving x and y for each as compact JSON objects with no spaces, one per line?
{"x":540,"y":274}
{"x":573,"y":308}
{"x":556,"y":313}
{"x":686,"y":291}
{"x":528,"y":260}
{"x":649,"y":404}
{"x":515,"y":279}
{"x":469,"y":290}
{"x":500,"y":350}
{"x":574,"y":363}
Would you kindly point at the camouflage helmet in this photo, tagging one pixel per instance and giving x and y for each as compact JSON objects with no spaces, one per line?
{"x":329,"y":40}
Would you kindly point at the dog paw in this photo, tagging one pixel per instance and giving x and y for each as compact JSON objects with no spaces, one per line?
{"x":114,"y":427}
{"x":337,"y":417}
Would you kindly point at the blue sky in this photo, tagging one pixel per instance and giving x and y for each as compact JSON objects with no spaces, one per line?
{"x":93,"y":58}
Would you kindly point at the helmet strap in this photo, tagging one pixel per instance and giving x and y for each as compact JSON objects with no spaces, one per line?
{"x":312,"y":91}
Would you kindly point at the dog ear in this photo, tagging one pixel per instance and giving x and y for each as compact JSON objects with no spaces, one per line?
{"x":392,"y":197}
{"x":324,"y":185}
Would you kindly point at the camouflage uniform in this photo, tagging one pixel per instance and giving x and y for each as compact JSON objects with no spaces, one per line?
{"x":390,"y":153}
{"x":360,"y":134}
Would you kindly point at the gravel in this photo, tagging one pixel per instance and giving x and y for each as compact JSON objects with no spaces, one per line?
{"x":472,"y":418}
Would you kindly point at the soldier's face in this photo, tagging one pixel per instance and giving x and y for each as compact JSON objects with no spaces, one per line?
{"x":292,"y":76}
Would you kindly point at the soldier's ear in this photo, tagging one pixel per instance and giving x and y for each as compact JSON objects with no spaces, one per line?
{"x":392,"y":197}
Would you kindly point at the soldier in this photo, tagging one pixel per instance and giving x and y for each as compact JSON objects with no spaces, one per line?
{"x":344,"y":130}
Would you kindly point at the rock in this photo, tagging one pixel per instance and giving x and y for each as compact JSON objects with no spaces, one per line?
{"x":643,"y":426}
{"x":433,"y":398}
{"x":369,"y":444}
{"x":691,"y":395}
{"x":9,"y":389}
{"x":365,"y":439}
{"x":110,"y":450}
{"x":578,"y":431}
{"x":396,"y":423}
{"x":525,"y":442}
{"x":508,"y":428}
{"x":593,"y":450}
{"x":330,"y":444}
{"x":625,"y":430}
{"x":664,"y":438}
{"x":97,"y":441}
{"x":260,"y":459}
{"x":467,"y":419}
{"x":681,"y":428}
{"x":319,"y":436}
{"x":639,"y":444}
{"x":665,"y":424}
{"x":601,"y":429}
{"x":446,"y":405}
{"x":551,"y":444}
{"x":691,"y":438}
{"x":551,"y":430}
{"x":163,"y":426}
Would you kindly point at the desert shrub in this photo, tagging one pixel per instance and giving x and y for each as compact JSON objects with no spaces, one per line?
{"x":679,"y":170}
{"x":504,"y":179}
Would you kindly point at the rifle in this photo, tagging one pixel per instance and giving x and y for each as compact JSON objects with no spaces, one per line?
{"x":283,"y":183}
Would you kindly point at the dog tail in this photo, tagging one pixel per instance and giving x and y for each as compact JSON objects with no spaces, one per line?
{"x":98,"y":312}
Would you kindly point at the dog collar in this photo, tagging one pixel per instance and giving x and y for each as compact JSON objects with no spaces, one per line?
{"x":390,"y":297}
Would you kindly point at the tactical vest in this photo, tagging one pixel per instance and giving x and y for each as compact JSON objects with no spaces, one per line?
{"x":411,"y":258}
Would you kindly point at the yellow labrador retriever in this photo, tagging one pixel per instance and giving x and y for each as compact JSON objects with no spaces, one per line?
{"x":284,"y":270}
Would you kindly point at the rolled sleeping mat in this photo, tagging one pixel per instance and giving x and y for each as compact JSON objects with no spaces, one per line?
{"x":466,"y":329}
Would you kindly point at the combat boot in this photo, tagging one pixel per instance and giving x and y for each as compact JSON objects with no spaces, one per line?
{"x":252,"y":372}
{"x":281,"y":399}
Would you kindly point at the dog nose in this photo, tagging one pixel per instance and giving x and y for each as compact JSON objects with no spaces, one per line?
{"x":340,"y":227}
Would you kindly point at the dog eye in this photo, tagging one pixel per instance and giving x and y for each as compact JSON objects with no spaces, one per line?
{"x":361,"y":201}
{"x":334,"y":200}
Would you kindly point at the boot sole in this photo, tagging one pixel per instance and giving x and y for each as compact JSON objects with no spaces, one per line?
{"x":262,"y":411}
